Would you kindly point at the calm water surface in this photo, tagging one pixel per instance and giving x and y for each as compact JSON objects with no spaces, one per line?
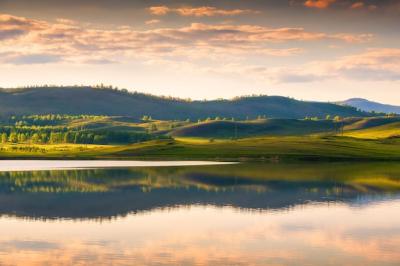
{"x":245,"y":214}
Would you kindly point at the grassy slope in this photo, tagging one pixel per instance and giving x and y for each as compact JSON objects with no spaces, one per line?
{"x":277,"y":141}
{"x":364,"y":123}
{"x":267,"y":148}
{"x":268,"y":127}
{"x":377,"y":132}
{"x":367,"y":128}
{"x":337,"y":148}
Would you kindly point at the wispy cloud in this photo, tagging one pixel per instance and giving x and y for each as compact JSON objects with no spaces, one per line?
{"x":372,"y":65}
{"x":357,"y":5}
{"x":153,"y":21}
{"x":68,"y":40}
{"x":321,"y":4}
{"x":29,"y":58}
{"x":203,"y":11}
{"x":344,"y":4}
{"x":13,"y":27}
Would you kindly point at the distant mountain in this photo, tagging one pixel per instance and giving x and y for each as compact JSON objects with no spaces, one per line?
{"x":370,"y":106}
{"x":88,"y":100}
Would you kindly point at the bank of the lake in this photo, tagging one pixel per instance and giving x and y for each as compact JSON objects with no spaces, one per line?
{"x":250,"y":149}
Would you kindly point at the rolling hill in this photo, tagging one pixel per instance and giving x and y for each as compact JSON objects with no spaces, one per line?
{"x":369,"y":106}
{"x":269,"y":127}
{"x":389,"y":130}
{"x":95,"y":101}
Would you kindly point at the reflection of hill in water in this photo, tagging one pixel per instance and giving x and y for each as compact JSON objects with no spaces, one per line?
{"x":107,"y":193}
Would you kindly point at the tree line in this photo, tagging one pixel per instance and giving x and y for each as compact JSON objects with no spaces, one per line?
{"x":58,"y":137}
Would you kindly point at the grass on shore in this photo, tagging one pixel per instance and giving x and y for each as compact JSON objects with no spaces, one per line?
{"x":262,"y":148}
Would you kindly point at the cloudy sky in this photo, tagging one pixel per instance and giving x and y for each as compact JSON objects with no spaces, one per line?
{"x":323,"y":50}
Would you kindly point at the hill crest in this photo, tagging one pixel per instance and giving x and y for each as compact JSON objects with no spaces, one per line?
{"x":369,"y":106}
{"x":106,"y":101}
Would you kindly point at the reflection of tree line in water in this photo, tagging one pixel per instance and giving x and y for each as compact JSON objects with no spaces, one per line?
{"x":107,"y":193}
{"x":331,"y":178}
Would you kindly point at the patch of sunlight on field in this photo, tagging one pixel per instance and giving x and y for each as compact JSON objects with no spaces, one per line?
{"x":374,"y":133}
{"x":49,"y":148}
{"x":192,"y":140}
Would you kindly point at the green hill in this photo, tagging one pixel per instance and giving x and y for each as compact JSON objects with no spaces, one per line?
{"x":94,"y":101}
{"x":388,"y":130}
{"x":264,"y":127}
{"x":364,"y":123}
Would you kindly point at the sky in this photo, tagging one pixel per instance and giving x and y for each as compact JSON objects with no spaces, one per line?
{"x":323,"y":50}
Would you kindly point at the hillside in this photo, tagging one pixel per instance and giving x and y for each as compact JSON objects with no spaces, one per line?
{"x":87,"y":100}
{"x":369,"y":122}
{"x":389,"y":130}
{"x":269,"y":127}
{"x":369,"y":106}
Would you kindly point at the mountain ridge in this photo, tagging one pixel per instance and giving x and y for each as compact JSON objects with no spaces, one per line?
{"x":107,"y":101}
{"x":369,"y":106}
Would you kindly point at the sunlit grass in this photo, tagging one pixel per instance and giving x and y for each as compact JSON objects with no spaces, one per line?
{"x":378,"y":132}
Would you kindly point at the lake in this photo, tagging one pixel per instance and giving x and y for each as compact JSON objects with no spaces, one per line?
{"x":199,"y":214}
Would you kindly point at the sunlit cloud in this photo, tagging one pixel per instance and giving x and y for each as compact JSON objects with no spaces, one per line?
{"x":344,"y":4}
{"x":357,"y":5}
{"x":28,"y":58}
{"x":13,"y":27}
{"x":203,"y":11}
{"x":29,"y":39}
{"x":371,"y":65}
{"x":153,"y":21}
{"x":374,"y":64}
{"x":321,"y":4}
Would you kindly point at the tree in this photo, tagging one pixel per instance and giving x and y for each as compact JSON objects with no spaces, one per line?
{"x":4,"y":138}
{"x":22,"y":138}
{"x":99,"y":139}
{"x":77,"y":138}
{"x":67,"y":137}
{"x":13,"y":138}
{"x":35,"y":138}
{"x":153,"y":128}
{"x":55,"y":137}
{"x":44,"y":137}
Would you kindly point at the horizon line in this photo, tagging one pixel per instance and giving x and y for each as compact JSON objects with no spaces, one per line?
{"x":133,"y":91}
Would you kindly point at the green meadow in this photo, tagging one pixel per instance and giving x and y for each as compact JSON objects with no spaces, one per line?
{"x":258,"y":139}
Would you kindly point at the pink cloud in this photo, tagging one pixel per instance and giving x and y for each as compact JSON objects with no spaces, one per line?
{"x":372,"y":65}
{"x":321,"y":4}
{"x":153,"y":21}
{"x":75,"y":43}
{"x":203,"y":11}
{"x":357,"y":5}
